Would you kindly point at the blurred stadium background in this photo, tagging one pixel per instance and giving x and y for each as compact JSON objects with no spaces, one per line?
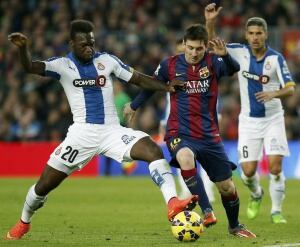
{"x":34,"y":113}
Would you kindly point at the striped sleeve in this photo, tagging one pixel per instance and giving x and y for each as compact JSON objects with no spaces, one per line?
{"x":234,"y":49}
{"x":53,"y":67}
{"x":283,"y":72}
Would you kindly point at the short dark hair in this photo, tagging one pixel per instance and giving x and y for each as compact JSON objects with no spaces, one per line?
{"x":257,"y":21}
{"x":196,"y":32}
{"x":80,"y":26}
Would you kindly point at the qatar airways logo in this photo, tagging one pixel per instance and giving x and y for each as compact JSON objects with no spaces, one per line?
{"x":98,"y":82}
{"x":196,"y":86}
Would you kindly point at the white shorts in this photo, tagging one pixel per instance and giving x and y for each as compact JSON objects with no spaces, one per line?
{"x":256,"y":134}
{"x":84,"y":141}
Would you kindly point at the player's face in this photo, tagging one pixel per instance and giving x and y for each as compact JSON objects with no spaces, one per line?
{"x":256,"y":37}
{"x":83,"y":46}
{"x":194,"y":51}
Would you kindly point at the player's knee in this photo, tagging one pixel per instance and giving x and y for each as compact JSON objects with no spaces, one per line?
{"x":248,"y":172}
{"x":186,"y":158}
{"x":147,"y":150}
{"x":275,"y":169}
{"x":227,"y":188}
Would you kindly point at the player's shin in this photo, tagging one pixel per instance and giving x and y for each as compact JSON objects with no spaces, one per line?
{"x":195,"y":184}
{"x":253,"y":184}
{"x":32,"y":203}
{"x":277,"y":191}
{"x":162,"y":176}
{"x":231,"y":203}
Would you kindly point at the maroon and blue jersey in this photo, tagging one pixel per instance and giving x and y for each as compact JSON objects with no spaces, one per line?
{"x":193,"y":108}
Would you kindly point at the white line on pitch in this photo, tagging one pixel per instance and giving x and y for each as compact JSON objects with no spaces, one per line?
{"x":283,"y":245}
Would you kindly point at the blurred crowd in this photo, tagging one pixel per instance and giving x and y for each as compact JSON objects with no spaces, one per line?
{"x":140,"y":33}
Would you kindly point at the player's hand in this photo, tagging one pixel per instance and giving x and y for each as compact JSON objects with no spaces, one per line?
{"x":18,"y":39}
{"x":264,"y":97}
{"x":218,"y":47}
{"x":128,"y":113}
{"x":211,"y":13}
{"x":175,"y":84}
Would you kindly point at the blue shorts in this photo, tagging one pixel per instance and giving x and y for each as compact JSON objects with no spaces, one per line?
{"x":211,"y":156}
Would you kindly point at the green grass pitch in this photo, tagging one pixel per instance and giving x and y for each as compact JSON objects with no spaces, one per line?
{"x":130,"y":211}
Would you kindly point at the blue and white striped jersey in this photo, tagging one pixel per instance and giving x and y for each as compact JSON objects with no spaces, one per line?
{"x":268,"y":74}
{"x":89,"y":86}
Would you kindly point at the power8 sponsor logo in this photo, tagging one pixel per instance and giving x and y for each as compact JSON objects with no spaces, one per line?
{"x":98,"y":82}
{"x":264,"y":79}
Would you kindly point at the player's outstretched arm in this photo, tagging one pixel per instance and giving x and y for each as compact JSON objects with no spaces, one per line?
{"x":149,"y":83}
{"x":21,"y":41}
{"x":211,"y":13}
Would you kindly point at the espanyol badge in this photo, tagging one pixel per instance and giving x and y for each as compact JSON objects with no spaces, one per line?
{"x":268,"y":66}
{"x":100,"y":66}
{"x":204,"y":72}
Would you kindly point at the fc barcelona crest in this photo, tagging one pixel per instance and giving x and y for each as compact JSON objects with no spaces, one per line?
{"x":100,"y":66}
{"x":204,"y":72}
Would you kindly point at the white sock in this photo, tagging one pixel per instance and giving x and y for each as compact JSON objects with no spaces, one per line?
{"x":32,"y":203}
{"x":161,"y":174}
{"x":208,"y":185}
{"x":253,"y":184}
{"x":184,"y":190}
{"x":277,"y":191}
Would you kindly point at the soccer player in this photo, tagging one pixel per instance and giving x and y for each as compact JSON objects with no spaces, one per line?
{"x":264,"y":79}
{"x":184,"y":190}
{"x":86,"y":76}
{"x":192,"y":128}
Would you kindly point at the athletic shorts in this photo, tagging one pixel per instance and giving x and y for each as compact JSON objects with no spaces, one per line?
{"x":211,"y":156}
{"x":84,"y":141}
{"x":258,"y":133}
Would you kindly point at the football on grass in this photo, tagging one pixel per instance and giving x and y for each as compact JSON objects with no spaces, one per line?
{"x":187,"y":226}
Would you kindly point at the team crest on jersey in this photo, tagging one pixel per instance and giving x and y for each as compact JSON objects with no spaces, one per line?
{"x":100,"y":66}
{"x":204,"y":72}
{"x":268,"y":66}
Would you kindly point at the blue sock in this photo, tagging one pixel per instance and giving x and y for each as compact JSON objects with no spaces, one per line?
{"x":231,"y":204}
{"x":195,"y":184}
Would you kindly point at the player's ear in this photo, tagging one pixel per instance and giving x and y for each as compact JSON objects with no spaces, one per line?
{"x":71,"y":44}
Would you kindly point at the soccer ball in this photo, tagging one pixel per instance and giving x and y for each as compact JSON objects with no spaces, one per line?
{"x":187,"y":226}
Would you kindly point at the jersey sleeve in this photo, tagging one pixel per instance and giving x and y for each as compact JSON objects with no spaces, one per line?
{"x":121,"y":70}
{"x":161,"y":72}
{"x":225,"y":66}
{"x":53,"y":67}
{"x":283,"y":73}
{"x":234,"y":49}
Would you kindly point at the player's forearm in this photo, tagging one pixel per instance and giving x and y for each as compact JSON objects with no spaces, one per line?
{"x":147,"y":82}
{"x":210,"y":27}
{"x":232,"y":65}
{"x":25,"y":57}
{"x":284,"y":92}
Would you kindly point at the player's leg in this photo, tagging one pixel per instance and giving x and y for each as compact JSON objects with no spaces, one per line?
{"x":69,"y":156}
{"x":276,"y":148}
{"x":208,"y":185}
{"x":186,"y":159}
{"x":276,"y":188}
{"x":183,"y":156}
{"x":147,"y":150}
{"x":250,"y":151}
{"x":184,"y":190}
{"x":35,"y":199}
{"x":231,"y":204}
